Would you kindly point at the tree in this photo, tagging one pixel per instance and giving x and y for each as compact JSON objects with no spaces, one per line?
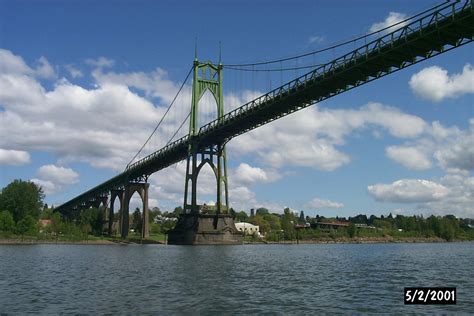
{"x":6,"y":221}
{"x":351,"y":230}
{"x":26,"y":226}
{"x":22,"y":198}
{"x":262,"y":211}
{"x":301,"y":219}
{"x":137,"y":220}
{"x":241,"y":216}
{"x":92,"y":220}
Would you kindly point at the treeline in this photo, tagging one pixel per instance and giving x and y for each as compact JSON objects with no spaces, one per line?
{"x":22,"y":207}
{"x":289,"y":226}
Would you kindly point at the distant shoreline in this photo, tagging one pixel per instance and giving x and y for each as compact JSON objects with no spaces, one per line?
{"x":69,"y":242}
{"x":356,"y":240}
{"x":361,"y":240}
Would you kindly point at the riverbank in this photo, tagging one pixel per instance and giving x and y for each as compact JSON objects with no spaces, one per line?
{"x":77,"y":242}
{"x":342,"y":240}
{"x":359,"y":240}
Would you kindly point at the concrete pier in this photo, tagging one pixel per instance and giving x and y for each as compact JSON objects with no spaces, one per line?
{"x":205,"y":229}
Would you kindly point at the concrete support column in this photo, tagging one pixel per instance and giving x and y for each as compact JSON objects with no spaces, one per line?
{"x":124,"y":212}
{"x":113,"y":195}
{"x":146,"y":212}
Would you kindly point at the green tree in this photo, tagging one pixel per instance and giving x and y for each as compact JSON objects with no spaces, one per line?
{"x":26,"y":226}
{"x":351,"y":230}
{"x":262,"y":211}
{"x":22,"y":198}
{"x":6,"y":222}
{"x":92,"y":220}
{"x":241,"y":216}
{"x":288,"y":224}
{"x":302,"y":219}
{"x":137,"y":220}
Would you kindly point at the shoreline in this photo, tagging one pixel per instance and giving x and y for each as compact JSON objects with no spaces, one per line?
{"x":357,"y":240}
{"x":5,"y":242}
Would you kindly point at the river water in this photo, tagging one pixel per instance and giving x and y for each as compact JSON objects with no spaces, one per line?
{"x":247,"y":279}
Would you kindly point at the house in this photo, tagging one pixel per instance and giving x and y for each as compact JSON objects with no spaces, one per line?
{"x":248,"y":229}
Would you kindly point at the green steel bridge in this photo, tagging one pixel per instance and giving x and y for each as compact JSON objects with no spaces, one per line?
{"x":445,"y":28}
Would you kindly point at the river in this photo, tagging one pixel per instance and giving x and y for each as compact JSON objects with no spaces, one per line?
{"x":247,"y":279}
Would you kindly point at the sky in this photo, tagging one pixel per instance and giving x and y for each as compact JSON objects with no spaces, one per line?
{"x":84,"y":83}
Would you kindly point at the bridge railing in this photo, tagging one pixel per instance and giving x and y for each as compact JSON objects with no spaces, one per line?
{"x":157,"y":153}
{"x":350,"y":58}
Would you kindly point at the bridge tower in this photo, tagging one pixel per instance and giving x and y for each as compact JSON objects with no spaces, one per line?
{"x":206,"y":77}
{"x":194,"y":226}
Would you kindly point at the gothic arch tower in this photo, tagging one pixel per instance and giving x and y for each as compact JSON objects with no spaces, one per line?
{"x":207,"y":77}
{"x":214,"y":226}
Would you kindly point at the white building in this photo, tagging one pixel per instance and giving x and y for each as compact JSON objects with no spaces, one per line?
{"x":248,"y":229}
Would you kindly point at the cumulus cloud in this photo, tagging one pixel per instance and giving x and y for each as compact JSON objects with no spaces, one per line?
{"x":74,"y":72}
{"x":100,"y":62}
{"x":435,"y":84}
{"x":57,"y":174}
{"x":392,"y":18}
{"x":13,"y":64}
{"x":246,"y":174}
{"x":107,"y":124}
{"x":408,"y":191}
{"x":318,"y":203}
{"x":311,"y":137}
{"x":449,"y":147}
{"x":14,"y":157}
{"x":54,"y":178}
{"x":48,"y":187}
{"x":410,"y":157}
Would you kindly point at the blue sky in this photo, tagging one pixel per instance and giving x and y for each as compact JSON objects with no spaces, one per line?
{"x":83,"y":83}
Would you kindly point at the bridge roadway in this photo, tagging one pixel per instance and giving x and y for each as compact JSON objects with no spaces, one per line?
{"x":446,"y":28}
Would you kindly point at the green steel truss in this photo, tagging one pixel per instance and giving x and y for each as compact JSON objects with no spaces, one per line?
{"x":207,"y":77}
{"x":432,"y":34}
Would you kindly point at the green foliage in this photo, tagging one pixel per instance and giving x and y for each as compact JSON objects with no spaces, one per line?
{"x":241,"y":216}
{"x":6,"y":222}
{"x":262,"y":211}
{"x":352,"y":230}
{"x":91,"y":220}
{"x":22,"y":199}
{"x":137,"y":221}
{"x":26,"y":226}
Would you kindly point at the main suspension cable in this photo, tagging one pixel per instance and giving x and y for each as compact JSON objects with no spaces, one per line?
{"x":163,"y":117}
{"x":339,"y":44}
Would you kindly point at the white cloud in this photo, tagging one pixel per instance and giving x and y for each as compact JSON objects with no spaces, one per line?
{"x":316,"y":39}
{"x":434,"y":83}
{"x":44,"y":69}
{"x":310,"y":137}
{"x":13,"y":64}
{"x":318,"y":203}
{"x":410,"y":157}
{"x":408,"y":191}
{"x":100,"y":62}
{"x":57,"y":174}
{"x":392,"y":18}
{"x":14,"y":157}
{"x":53,"y":178}
{"x":74,"y":72}
{"x":246,"y":174}
{"x":47,"y":186}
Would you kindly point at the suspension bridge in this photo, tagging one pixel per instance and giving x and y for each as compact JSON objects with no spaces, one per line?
{"x":425,"y":35}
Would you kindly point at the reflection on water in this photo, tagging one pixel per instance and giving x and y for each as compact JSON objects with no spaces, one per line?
{"x":296,"y":279}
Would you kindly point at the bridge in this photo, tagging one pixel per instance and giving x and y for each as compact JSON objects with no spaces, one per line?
{"x":434,"y":32}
